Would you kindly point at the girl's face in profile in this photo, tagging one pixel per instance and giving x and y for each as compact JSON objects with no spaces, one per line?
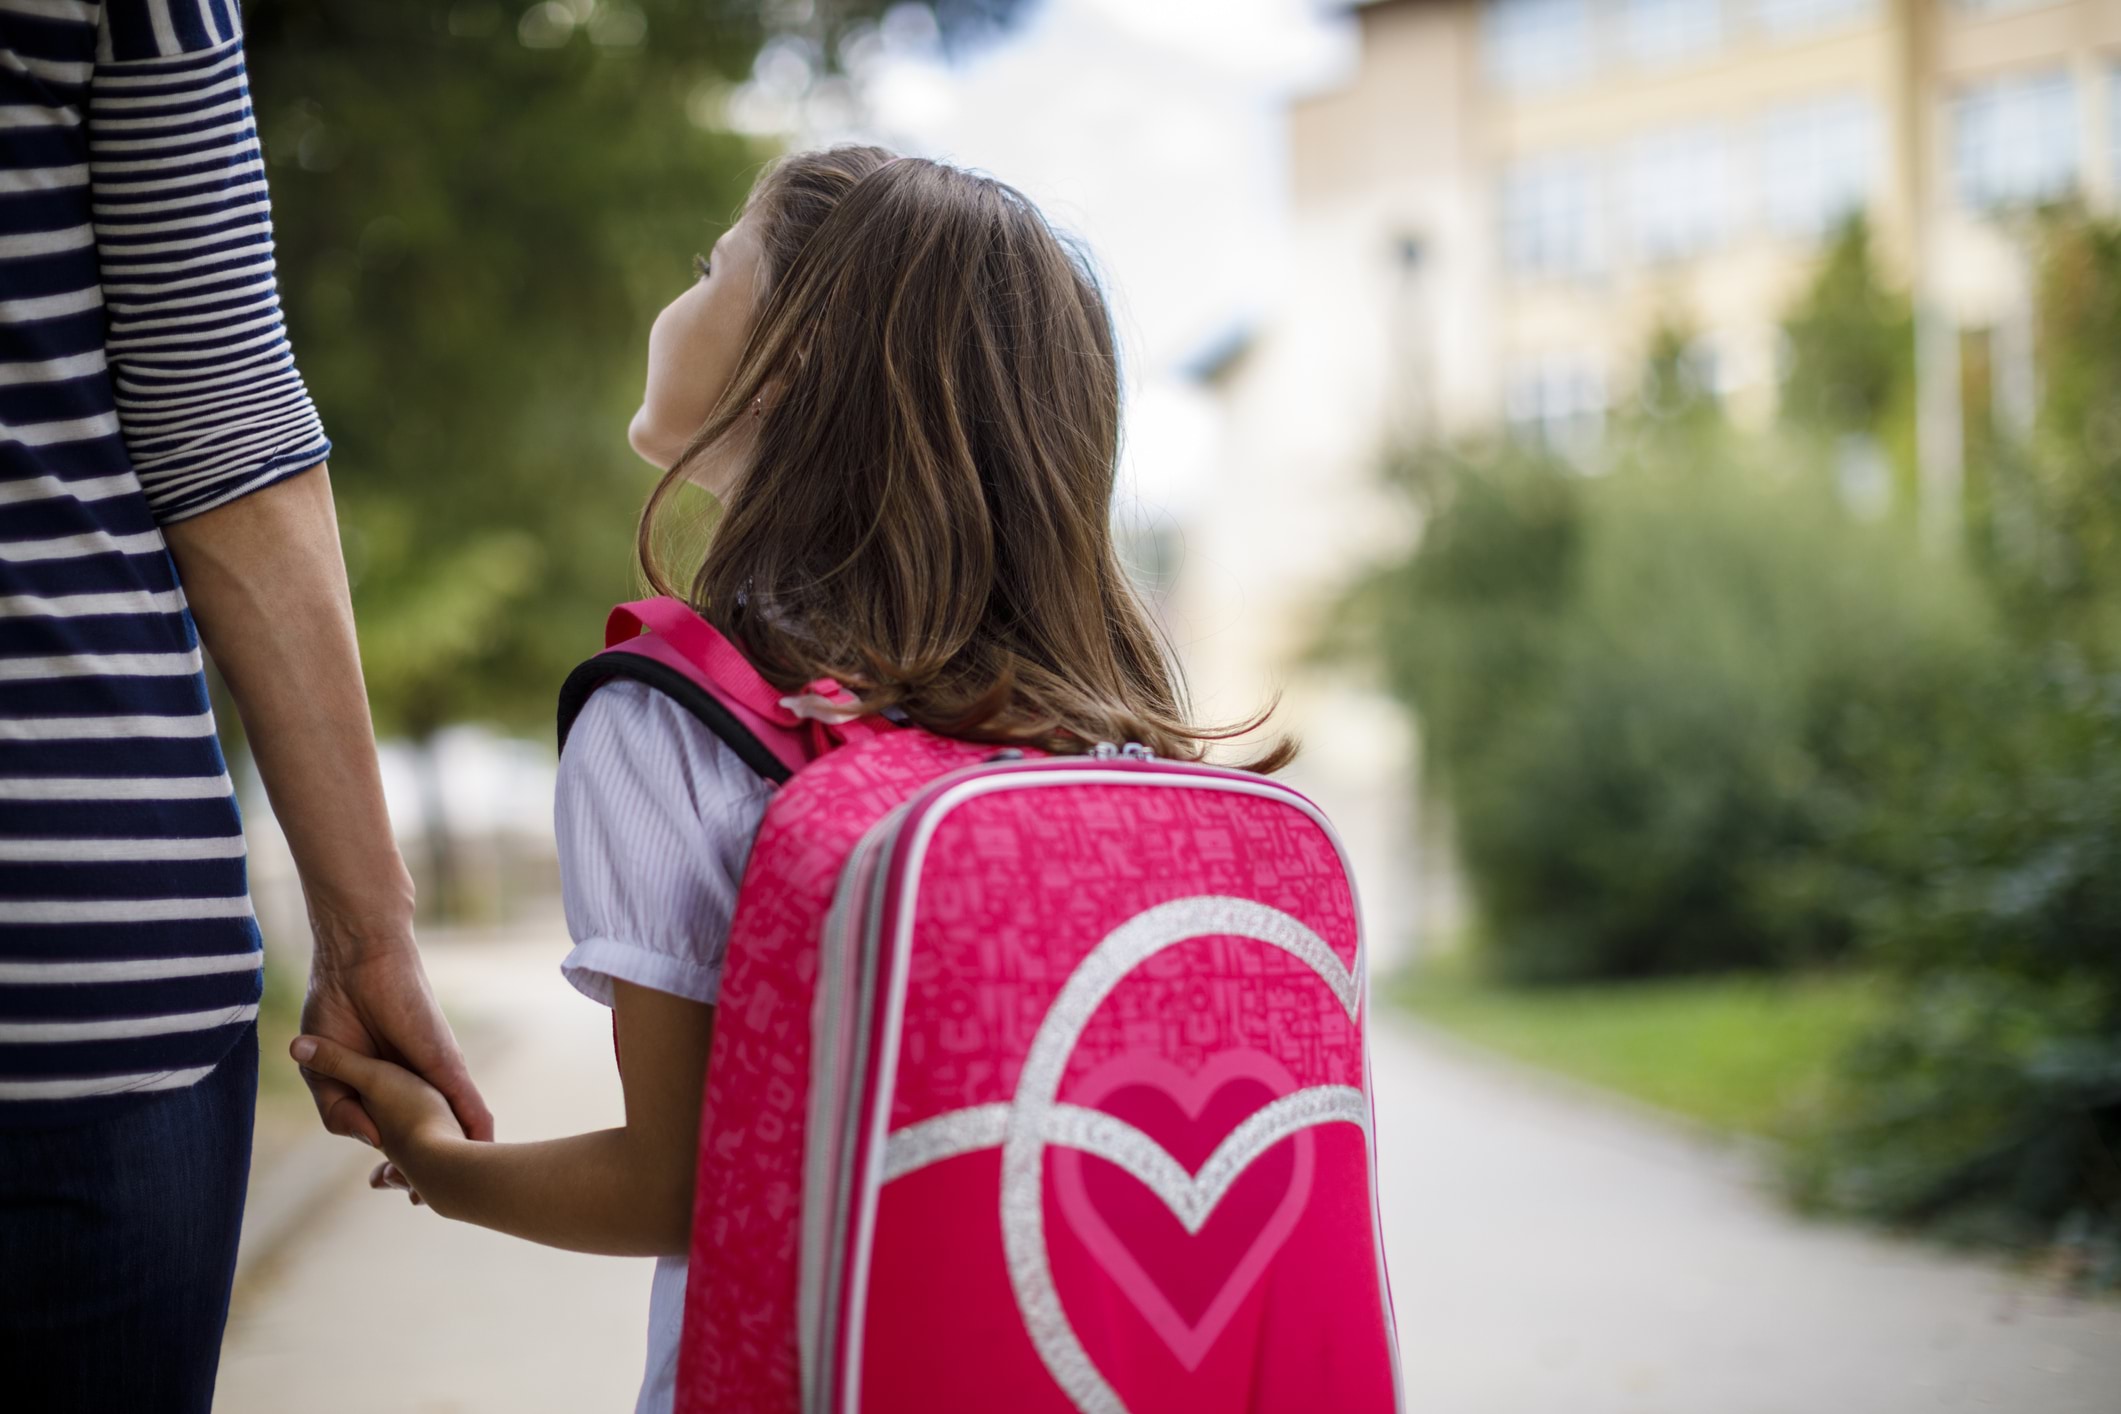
{"x":692,"y":352}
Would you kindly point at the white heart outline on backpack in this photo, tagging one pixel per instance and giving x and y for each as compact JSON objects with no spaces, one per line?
{"x":1033,"y":1119}
{"x":1130,"y":1258}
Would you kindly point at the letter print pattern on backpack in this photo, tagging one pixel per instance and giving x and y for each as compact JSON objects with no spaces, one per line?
{"x":1184,"y":962}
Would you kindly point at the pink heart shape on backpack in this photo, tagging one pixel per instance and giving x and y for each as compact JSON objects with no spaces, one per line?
{"x":1187,"y":1286}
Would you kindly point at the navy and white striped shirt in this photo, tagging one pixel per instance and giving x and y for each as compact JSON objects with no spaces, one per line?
{"x":144,"y":377}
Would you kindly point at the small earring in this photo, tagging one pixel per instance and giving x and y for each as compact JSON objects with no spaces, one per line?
{"x":757,"y":410}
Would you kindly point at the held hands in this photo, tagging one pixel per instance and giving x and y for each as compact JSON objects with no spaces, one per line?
{"x":412,"y":1118}
{"x":377,"y":1003}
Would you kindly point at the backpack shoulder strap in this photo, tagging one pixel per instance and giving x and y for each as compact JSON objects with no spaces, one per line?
{"x":588,"y":676}
{"x":721,"y":665}
{"x":664,"y":644}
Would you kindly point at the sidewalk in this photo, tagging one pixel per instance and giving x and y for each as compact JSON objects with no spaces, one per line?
{"x":1548,"y":1257}
{"x":377,"y":1307}
{"x":1554,"y":1257}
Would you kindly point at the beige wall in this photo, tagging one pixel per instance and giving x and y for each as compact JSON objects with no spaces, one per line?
{"x":1392,"y":157}
{"x":1734,"y":294}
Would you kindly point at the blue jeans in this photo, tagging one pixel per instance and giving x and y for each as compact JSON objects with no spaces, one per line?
{"x":118,"y":1246}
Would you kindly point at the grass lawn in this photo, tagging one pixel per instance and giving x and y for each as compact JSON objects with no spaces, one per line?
{"x":1740,"y":1055}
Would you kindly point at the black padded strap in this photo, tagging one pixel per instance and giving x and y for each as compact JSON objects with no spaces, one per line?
{"x":574,"y":695}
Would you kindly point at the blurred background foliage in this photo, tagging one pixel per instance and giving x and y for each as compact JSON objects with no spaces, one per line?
{"x":470,"y":284}
{"x":1704,"y":705}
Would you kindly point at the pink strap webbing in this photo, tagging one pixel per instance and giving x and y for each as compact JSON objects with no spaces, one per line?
{"x":733,"y":678}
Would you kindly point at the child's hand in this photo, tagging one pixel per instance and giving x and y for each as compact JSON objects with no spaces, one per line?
{"x":387,"y":1176}
{"x":412,"y":1116}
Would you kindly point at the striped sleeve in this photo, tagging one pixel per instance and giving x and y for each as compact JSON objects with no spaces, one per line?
{"x":209,"y":399}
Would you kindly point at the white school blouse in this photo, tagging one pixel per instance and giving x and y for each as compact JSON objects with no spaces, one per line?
{"x":655,"y":818}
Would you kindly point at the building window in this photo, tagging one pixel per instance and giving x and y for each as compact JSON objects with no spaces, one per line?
{"x":1818,"y":161}
{"x":1538,"y":43}
{"x":2014,"y":140}
{"x":1556,"y":401}
{"x":1663,"y":31}
{"x":1678,"y":192}
{"x":1792,"y":19}
{"x":1550,"y":222}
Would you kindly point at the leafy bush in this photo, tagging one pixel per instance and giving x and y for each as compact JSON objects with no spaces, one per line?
{"x":1659,"y":698}
{"x":1693,"y":714}
{"x":1987,"y":1104}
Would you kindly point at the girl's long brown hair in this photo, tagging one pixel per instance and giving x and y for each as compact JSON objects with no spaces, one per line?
{"x":926,"y":516}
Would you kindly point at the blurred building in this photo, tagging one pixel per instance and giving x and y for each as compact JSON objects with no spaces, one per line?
{"x":1505,"y":201}
{"x":1539,"y":184}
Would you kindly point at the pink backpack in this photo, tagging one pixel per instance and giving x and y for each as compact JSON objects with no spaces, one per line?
{"x":1038,"y":1083}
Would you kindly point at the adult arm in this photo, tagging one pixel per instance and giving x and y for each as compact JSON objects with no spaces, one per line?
{"x":623,"y":1192}
{"x":268,"y":589}
{"x":228,"y":449}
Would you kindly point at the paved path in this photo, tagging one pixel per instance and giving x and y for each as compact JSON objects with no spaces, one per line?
{"x":1549,"y":1257}
{"x":382,"y":1308}
{"x":1554,"y":1257}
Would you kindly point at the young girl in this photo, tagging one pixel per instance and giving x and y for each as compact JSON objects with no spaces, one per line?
{"x":902,"y":388}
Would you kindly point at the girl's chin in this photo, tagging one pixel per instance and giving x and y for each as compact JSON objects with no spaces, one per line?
{"x":659,"y":452}
{"x":711,"y":471}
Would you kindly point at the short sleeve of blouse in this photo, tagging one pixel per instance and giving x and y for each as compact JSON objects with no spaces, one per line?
{"x":655,"y":816}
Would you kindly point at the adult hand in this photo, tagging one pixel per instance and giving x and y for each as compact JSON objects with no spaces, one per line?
{"x":377,"y":1003}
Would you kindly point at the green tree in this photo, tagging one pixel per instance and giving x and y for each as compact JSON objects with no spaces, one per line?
{"x":1848,"y":388}
{"x":474,"y":232}
{"x":2055,"y":537}
{"x":1988,"y":1104}
{"x":476,"y":219}
{"x":1850,"y":344}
